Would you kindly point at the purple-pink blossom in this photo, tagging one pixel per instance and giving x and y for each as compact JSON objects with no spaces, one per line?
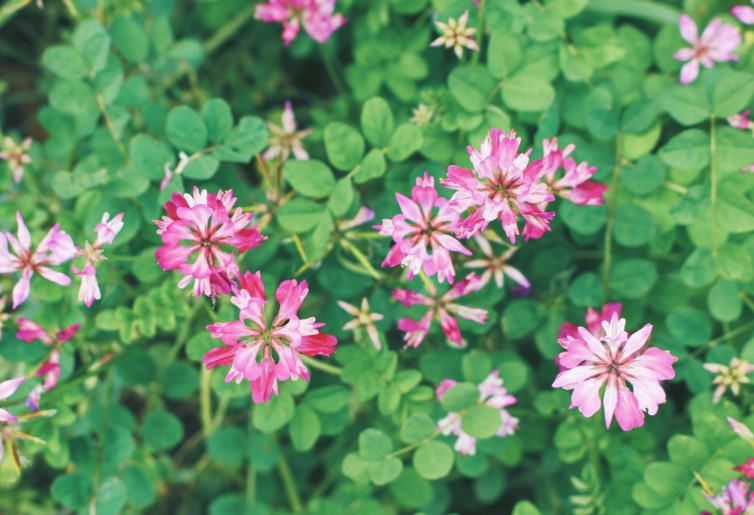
{"x":106,"y":231}
{"x":503,"y":185}
{"x":17,"y":156}
{"x":29,"y":331}
{"x":717,"y":43}
{"x":54,"y":249}
{"x":316,"y":16}
{"x":591,"y":362}
{"x":734,"y":499}
{"x":427,"y":222}
{"x":203,"y":227}
{"x":443,"y":307}
{"x":496,"y":265}
{"x":744,"y":13}
{"x":286,"y":139}
{"x":575,"y":184}
{"x":492,"y":393}
{"x":251,"y":343}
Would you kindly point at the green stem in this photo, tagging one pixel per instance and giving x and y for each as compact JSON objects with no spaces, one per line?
{"x":330,"y":369}
{"x":251,"y":475}
{"x":480,"y":33}
{"x":205,"y":401}
{"x":610,"y":213}
{"x":726,"y":336}
{"x":289,"y":484}
{"x":111,"y":128}
{"x":229,"y":30}
{"x":713,"y":184}
{"x":361,"y":258}
{"x":642,"y":9}
{"x":437,"y":433}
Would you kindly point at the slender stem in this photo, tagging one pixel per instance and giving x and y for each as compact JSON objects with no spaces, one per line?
{"x":228,"y":30}
{"x":675,"y":187}
{"x":182,"y":336}
{"x":480,"y":33}
{"x":437,"y":433}
{"x":289,"y":484}
{"x":330,"y":369}
{"x":726,"y":336}
{"x":111,"y":128}
{"x":251,"y":475}
{"x":300,"y":247}
{"x":642,"y":9}
{"x":713,"y":184}
{"x":330,"y":68}
{"x":361,"y":258}
{"x":610,"y":213}
{"x":205,"y":401}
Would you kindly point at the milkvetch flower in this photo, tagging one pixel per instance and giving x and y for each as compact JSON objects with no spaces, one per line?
{"x":495,"y":266}
{"x":741,"y":121}
{"x":315,"y":15}
{"x":106,"y":231}
{"x":492,"y":393}
{"x":744,"y":13}
{"x":8,"y":388}
{"x":202,"y":227}
{"x":427,"y":222}
{"x":29,"y":331}
{"x":741,"y":429}
{"x":265,"y":352}
{"x":183,"y":160}
{"x":17,"y":156}
{"x":589,"y":363}
{"x":733,"y":499}
{"x":456,"y":34}
{"x":747,"y":469}
{"x":731,"y":376}
{"x":574,"y":185}
{"x":286,"y":139}
{"x":716,"y":43}
{"x":503,"y":185}
{"x":54,"y":249}
{"x":443,"y":307}
{"x":363,"y":318}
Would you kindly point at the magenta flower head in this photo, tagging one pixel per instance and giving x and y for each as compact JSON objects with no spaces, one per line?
{"x":574,"y":185}
{"x":29,"y":331}
{"x":443,"y":308}
{"x":716,"y":44}
{"x":418,"y":227}
{"x":262,"y":352}
{"x":492,"y":393}
{"x":54,"y":249}
{"x":315,"y":15}
{"x":744,"y":13}
{"x":590,"y":363}
{"x":17,"y":156}
{"x":503,"y":185}
{"x":202,"y":227}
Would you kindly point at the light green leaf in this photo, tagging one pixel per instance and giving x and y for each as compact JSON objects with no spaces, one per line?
{"x":311,"y":178}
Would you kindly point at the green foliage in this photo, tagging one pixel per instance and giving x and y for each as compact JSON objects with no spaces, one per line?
{"x":129,"y":94}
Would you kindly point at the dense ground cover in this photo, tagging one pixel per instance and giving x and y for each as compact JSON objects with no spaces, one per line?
{"x":376,"y":256}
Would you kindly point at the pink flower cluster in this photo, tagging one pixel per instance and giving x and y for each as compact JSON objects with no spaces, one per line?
{"x":492,"y":393}
{"x":504,"y":185}
{"x":106,"y":231}
{"x":610,"y":358}
{"x":203,"y":227}
{"x":427,"y":220}
{"x":443,"y":307}
{"x":734,"y":499}
{"x":29,"y":331}
{"x":315,"y":15}
{"x":744,"y":13}
{"x":716,"y":43}
{"x":264,"y":353}
{"x":54,"y":249}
